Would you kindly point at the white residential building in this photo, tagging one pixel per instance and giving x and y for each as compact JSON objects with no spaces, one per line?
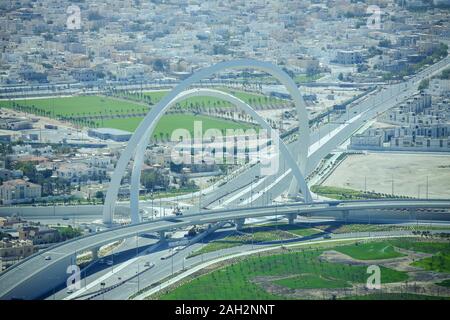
{"x":19,"y":191}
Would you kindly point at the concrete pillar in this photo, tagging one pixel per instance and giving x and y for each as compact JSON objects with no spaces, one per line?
{"x":412,"y":215}
{"x":162,"y":235}
{"x":291,"y":217}
{"x":94,"y":252}
{"x":239,"y":223}
{"x":345,"y":214}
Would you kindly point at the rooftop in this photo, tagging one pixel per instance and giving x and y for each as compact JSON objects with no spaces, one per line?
{"x":18,"y":182}
{"x":111,"y":131}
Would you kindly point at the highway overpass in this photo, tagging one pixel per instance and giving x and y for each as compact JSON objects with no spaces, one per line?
{"x":32,"y":277}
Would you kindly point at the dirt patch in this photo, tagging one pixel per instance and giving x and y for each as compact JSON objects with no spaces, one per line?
{"x":420,"y":281}
{"x":409,"y":172}
{"x":399,"y":263}
{"x":417,"y":287}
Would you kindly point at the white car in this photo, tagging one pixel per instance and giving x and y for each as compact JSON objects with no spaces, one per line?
{"x":48,"y":258}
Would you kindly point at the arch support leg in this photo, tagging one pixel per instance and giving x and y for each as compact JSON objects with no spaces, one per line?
{"x":345,"y":215}
{"x":94,"y":252}
{"x":239,"y":223}
{"x":162,"y":235}
{"x":291,"y":218}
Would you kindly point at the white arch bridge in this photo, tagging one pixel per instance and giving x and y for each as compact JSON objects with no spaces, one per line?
{"x":138,"y":142}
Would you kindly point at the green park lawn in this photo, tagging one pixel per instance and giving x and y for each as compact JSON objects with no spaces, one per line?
{"x":84,"y":106}
{"x":77,"y":106}
{"x":370,"y":251}
{"x":356,"y":227}
{"x":348,"y":194}
{"x":236,"y":281}
{"x":312,"y":281}
{"x":422,"y":246}
{"x":248,"y":97}
{"x":300,"y":230}
{"x":224,"y":243}
{"x":258,"y":234}
{"x":168,"y":123}
{"x":439,"y":262}
{"x":239,"y":239}
{"x":445,"y":283}
{"x":87,"y":106}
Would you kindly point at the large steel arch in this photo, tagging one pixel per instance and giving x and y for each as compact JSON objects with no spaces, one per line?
{"x":157,"y":111}
{"x":139,"y":155}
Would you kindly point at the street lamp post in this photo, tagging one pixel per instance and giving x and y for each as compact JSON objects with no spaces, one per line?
{"x":138,"y":283}
{"x":318,"y":127}
{"x":392,"y":185}
{"x":252,"y":235}
{"x":103,"y":290}
{"x":137,"y":244}
{"x":151,"y":195}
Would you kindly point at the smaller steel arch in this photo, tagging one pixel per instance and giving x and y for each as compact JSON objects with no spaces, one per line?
{"x":139,"y":154}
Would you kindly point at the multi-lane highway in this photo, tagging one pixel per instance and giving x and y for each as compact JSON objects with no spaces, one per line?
{"x":31,"y":277}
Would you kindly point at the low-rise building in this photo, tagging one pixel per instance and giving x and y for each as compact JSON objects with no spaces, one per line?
{"x":38,"y":235}
{"x":11,"y":251}
{"x":8,"y":222}
{"x":110,"y":134}
{"x":6,"y":174}
{"x":19,"y":191}
{"x":349,"y":56}
{"x":84,"y":75}
{"x":440,"y":87}
{"x":73,"y":172}
{"x":361,"y":140}
{"x":15,"y":124}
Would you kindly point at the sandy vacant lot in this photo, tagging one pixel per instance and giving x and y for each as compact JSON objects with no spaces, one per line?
{"x":409,"y":172}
